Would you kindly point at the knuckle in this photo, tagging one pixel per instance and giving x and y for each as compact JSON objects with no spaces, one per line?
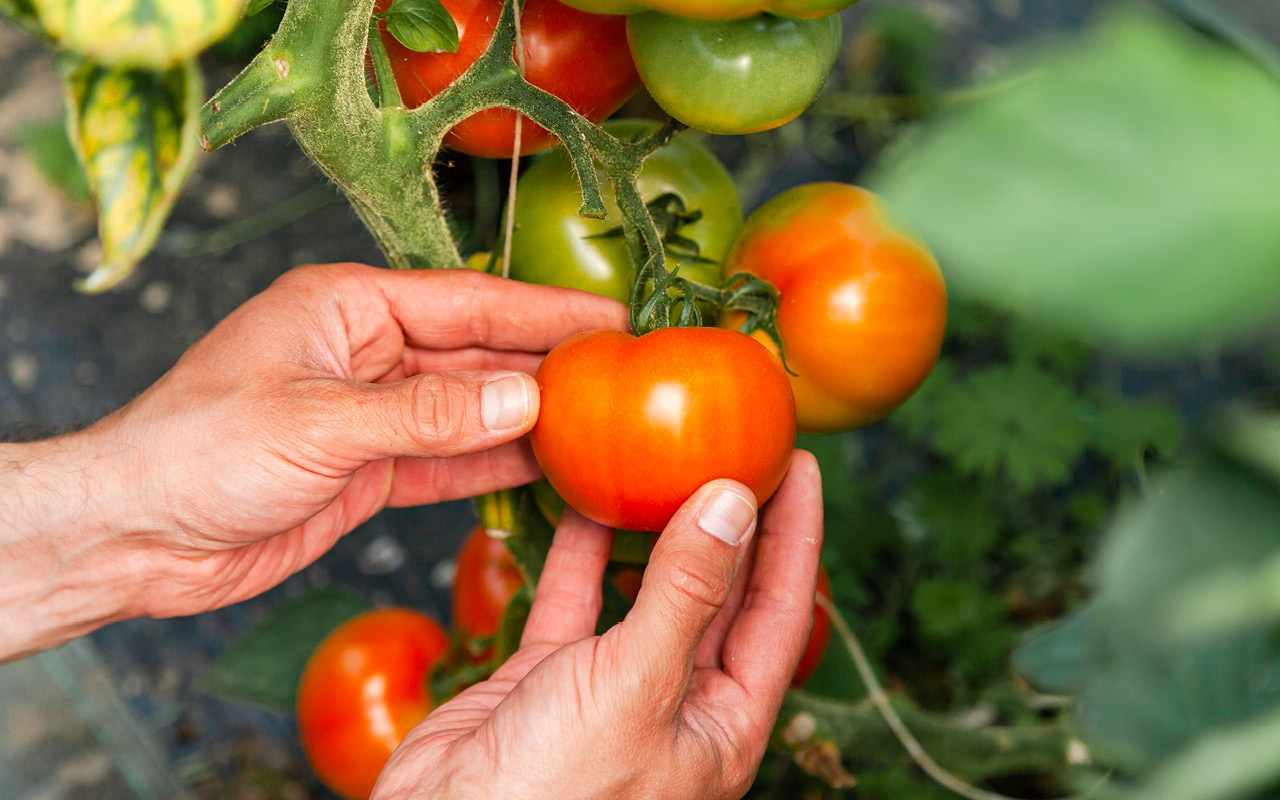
{"x":437,"y":412}
{"x":698,"y":581}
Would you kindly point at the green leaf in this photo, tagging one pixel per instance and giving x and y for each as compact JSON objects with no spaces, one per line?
{"x":513,"y":620}
{"x":422,"y":25}
{"x":959,"y":522}
{"x":137,"y":136}
{"x":1223,"y":765}
{"x":1125,"y":428}
{"x":151,"y":34}
{"x":1119,"y":185}
{"x":47,"y":145}
{"x":1017,"y":421}
{"x":252,"y":7}
{"x":262,"y":667}
{"x":1143,"y":693}
{"x":1052,"y":658}
{"x":966,"y":619}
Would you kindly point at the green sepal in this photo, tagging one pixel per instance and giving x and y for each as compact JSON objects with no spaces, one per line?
{"x":136,"y":133}
{"x":151,"y":34}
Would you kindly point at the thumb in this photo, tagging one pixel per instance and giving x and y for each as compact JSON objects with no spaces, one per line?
{"x":431,"y":415}
{"x":685,"y":585}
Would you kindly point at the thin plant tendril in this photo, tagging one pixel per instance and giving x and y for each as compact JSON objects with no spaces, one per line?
{"x":515,"y":155}
{"x":876,"y":693}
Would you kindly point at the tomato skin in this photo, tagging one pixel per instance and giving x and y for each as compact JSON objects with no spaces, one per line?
{"x":579,"y":57}
{"x":630,"y":427}
{"x":486,"y":580}
{"x":733,"y":76}
{"x":863,"y":306}
{"x":363,"y":689}
{"x":551,"y":244}
{"x":819,"y":638}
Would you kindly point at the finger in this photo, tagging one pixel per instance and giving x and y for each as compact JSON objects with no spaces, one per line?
{"x":432,"y":415}
{"x":764,"y":644}
{"x":685,"y":585}
{"x":417,"y":361}
{"x":709,"y":649}
{"x":444,"y":309}
{"x":567,"y":602}
{"x":421,"y":481}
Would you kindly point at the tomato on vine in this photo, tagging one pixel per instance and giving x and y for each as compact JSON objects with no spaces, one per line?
{"x":630,"y":427}
{"x":552,"y":245}
{"x":486,"y":580}
{"x":863,"y":305}
{"x":363,"y":689}
{"x":579,"y":57}
{"x":733,"y":76}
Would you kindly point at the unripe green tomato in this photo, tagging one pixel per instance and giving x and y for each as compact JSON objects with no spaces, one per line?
{"x":553,"y":246}
{"x":733,"y":76}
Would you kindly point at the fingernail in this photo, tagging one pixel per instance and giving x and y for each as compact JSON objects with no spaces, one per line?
{"x":727,"y":515}
{"x":504,"y":403}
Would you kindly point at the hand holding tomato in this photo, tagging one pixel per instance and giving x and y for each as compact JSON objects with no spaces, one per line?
{"x":677,"y":701}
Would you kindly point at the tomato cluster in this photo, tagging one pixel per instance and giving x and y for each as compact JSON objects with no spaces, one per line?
{"x":723,"y":66}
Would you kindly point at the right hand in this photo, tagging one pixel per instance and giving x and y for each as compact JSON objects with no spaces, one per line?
{"x":676,"y":701}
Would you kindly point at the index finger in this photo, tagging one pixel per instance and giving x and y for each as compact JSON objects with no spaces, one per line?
{"x":452,"y":308}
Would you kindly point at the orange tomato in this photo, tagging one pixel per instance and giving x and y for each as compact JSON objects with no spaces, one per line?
{"x":863,"y":306}
{"x":363,"y":689}
{"x":487,"y":579}
{"x":630,"y":427}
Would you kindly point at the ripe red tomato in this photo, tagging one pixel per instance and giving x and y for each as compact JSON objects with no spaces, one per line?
{"x":581,"y":58}
{"x":819,"y":638}
{"x":486,"y":580}
{"x":362,"y":691}
{"x":631,"y":426}
{"x":863,"y":306}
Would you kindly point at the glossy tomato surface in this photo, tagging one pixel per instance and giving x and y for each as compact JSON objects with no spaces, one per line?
{"x":819,"y":638}
{"x":554,"y":246}
{"x":363,"y":689}
{"x":863,"y":306}
{"x":733,"y":76}
{"x":579,"y":57}
{"x":486,"y":580}
{"x":630,"y":427}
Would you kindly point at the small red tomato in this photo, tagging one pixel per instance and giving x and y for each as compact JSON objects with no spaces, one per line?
{"x":363,"y":689}
{"x":486,"y":580}
{"x":816,"y":648}
{"x":630,"y":427}
{"x":581,"y":58}
{"x":862,"y":309}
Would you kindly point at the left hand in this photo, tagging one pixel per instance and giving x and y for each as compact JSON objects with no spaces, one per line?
{"x":339,"y":391}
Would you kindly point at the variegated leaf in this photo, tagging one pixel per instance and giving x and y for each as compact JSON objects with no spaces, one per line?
{"x":155,"y":34}
{"x":136,"y":134}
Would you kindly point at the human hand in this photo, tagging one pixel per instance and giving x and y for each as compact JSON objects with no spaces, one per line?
{"x":331,"y":395}
{"x":677,"y":701}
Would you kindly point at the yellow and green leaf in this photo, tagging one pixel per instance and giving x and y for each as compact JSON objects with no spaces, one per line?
{"x":136,"y":134}
{"x":155,"y":34}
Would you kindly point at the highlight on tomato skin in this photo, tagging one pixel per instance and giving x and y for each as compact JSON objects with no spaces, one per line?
{"x":487,"y":578}
{"x":863,"y":305}
{"x":630,"y":427}
{"x":363,"y":689}
{"x":579,"y":57}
